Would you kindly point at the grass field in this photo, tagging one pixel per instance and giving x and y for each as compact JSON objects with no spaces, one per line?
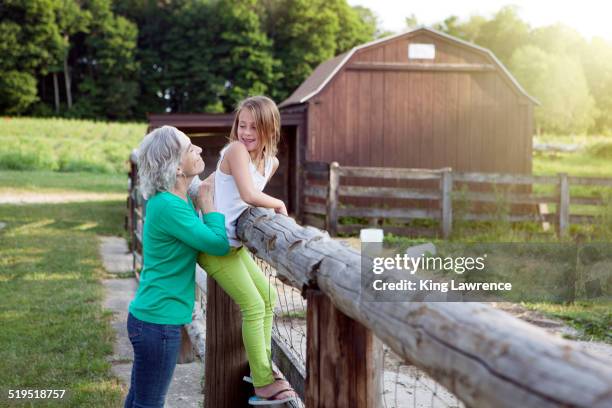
{"x":67,"y":145}
{"x":55,"y":334}
{"x":45,"y":181}
{"x":593,"y":159}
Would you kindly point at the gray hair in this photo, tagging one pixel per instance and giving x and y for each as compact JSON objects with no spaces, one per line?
{"x":159,"y":155}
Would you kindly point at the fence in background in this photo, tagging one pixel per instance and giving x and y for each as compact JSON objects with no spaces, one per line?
{"x":134,"y":219}
{"x":445,"y":197}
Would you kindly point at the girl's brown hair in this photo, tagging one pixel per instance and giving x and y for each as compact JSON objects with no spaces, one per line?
{"x":267,"y":123}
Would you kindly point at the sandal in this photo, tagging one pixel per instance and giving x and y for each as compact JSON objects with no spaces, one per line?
{"x":257,"y":400}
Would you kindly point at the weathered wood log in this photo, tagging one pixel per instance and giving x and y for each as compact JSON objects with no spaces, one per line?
{"x":485,"y":356}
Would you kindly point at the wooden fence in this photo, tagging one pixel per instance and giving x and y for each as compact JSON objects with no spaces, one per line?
{"x":484,"y":356}
{"x":329,"y":188}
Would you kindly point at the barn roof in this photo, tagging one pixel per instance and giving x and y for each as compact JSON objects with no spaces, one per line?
{"x":326,"y":71}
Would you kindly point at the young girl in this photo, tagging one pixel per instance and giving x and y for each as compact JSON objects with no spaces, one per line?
{"x":245,"y":166}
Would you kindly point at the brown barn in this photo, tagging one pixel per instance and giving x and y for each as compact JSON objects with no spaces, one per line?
{"x":420,"y":99}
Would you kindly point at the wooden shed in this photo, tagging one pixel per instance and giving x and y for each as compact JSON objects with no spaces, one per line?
{"x":421,"y":99}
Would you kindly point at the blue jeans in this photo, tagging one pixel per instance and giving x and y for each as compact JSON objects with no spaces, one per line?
{"x":156,"y":349}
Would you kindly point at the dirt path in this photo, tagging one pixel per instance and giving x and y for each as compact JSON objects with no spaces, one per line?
{"x":8,"y":196}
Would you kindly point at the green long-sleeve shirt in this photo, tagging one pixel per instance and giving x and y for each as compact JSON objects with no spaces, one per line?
{"x":172,"y":238}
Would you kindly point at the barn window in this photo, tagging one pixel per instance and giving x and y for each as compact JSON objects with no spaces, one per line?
{"x":421,"y":51}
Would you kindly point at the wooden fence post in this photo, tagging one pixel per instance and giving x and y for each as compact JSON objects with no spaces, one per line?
{"x":563,"y":208}
{"x":225,"y":361}
{"x":446,"y":203}
{"x":340,"y":361}
{"x":332,"y":199}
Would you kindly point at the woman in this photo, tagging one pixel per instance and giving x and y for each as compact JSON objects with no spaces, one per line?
{"x":172,"y":238}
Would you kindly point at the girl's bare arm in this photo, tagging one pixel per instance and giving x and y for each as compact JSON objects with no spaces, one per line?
{"x":238,"y":160}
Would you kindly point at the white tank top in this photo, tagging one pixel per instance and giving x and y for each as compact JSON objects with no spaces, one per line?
{"x":227,"y":196}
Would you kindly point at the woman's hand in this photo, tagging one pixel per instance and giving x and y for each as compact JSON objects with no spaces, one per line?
{"x":206,"y":194}
{"x":281,"y":209}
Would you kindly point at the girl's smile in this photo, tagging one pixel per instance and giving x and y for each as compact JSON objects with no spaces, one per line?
{"x":247,"y":131}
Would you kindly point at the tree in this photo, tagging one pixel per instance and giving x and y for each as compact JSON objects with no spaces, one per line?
{"x":355,"y":26}
{"x":71,"y":19}
{"x":503,"y":34}
{"x":558,"y":39}
{"x":371,"y":21}
{"x":17,"y":92}
{"x":244,"y":55}
{"x":412,"y":21}
{"x":216,"y":56}
{"x":596,"y":59}
{"x":468,"y":31}
{"x":305,"y":33}
{"x":160,"y":47}
{"x":559,"y":83}
{"x":29,"y":40}
{"x":106,"y":66}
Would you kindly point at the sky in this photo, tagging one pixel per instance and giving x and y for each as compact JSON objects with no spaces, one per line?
{"x":589,"y":17}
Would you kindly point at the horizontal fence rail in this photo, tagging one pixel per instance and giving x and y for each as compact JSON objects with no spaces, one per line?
{"x":484,"y":356}
{"x":446,"y":196}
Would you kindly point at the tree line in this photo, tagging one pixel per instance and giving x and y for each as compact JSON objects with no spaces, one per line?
{"x":119,"y":59}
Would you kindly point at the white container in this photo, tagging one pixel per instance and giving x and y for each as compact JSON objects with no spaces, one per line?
{"x":371,"y":235}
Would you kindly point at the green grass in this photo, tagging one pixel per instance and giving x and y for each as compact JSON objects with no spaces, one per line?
{"x":55,"y":333}
{"x":593,"y":159}
{"x":67,"y":144}
{"x":592,"y":319}
{"x":50,"y":181}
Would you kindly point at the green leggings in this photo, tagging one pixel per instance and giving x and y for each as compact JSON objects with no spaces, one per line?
{"x":245,"y":283}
